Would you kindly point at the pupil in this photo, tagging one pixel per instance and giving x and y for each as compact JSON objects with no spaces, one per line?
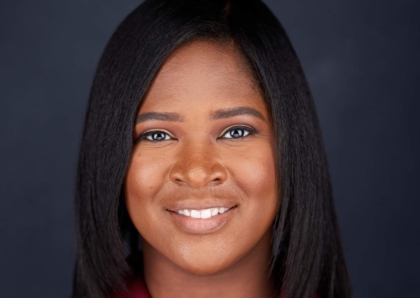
{"x":158,"y":136}
{"x":236,"y":133}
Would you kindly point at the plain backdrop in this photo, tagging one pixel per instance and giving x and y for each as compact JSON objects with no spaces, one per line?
{"x":361,"y":58}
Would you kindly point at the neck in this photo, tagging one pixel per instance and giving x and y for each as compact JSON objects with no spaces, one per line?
{"x":248,"y":277}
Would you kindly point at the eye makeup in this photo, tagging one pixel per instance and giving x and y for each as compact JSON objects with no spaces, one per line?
{"x":236,"y":132}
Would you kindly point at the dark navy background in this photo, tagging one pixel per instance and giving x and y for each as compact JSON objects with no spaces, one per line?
{"x":362,"y":62}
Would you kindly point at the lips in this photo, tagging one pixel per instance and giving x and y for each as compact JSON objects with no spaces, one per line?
{"x":201,"y":217}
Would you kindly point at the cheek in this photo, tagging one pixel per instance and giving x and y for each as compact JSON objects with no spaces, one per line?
{"x":255,"y":175}
{"x":144,"y":178}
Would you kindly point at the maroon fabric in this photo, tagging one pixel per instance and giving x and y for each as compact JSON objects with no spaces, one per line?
{"x":138,"y":290}
{"x":137,"y":287}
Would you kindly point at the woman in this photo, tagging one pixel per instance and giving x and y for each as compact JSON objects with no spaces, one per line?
{"x":201,"y":136}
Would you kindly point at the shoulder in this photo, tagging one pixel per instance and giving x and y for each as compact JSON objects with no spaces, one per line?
{"x":135,"y":289}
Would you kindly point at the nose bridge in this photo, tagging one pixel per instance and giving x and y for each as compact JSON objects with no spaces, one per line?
{"x":197,"y":165}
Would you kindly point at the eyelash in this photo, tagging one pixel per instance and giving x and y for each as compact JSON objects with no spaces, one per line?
{"x":250,"y":130}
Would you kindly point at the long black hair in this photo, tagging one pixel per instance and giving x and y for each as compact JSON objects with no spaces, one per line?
{"x":307,"y":255}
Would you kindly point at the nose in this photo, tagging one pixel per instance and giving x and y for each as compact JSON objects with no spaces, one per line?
{"x":198,"y":166}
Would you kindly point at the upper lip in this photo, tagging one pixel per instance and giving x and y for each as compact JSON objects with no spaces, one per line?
{"x":197,"y":204}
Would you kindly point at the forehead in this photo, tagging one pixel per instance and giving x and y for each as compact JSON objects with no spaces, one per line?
{"x":203,"y":72}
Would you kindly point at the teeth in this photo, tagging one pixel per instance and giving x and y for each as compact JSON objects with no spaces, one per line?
{"x":203,"y":213}
{"x":195,"y":214}
{"x":223,"y":210}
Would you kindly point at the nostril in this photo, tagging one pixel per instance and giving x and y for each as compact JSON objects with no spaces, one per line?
{"x":179,"y":181}
{"x":217,"y":180}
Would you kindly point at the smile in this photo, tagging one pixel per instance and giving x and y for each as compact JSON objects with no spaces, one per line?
{"x":203,"y":213}
{"x":202,"y":221}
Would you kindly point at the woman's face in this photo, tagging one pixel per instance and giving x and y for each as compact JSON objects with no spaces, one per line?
{"x":201,"y":186}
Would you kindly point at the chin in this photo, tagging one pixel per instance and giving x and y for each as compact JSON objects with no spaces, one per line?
{"x":203,"y":267}
{"x":203,"y":261}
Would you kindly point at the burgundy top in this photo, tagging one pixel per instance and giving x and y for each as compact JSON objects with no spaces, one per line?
{"x":138,"y":290}
{"x":137,"y":287}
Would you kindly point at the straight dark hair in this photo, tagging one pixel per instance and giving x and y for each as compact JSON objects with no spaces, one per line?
{"x":307,"y":255}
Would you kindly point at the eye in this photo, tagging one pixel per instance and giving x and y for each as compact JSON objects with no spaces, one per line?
{"x":238,"y":132}
{"x":155,"y":136}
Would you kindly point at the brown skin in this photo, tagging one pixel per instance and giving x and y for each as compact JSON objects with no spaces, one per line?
{"x":200,"y":160}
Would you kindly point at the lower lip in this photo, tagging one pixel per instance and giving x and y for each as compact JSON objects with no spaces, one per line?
{"x":201,"y":225}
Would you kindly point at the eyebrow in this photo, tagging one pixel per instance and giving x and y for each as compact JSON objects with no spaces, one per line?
{"x":218,"y":114}
{"x":226,"y":113}
{"x":164,"y":116}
